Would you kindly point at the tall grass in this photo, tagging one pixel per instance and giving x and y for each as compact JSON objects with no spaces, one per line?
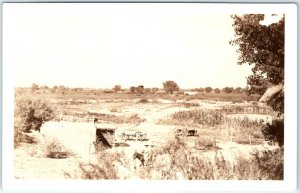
{"x":203,"y":117}
{"x":174,"y":161}
{"x":250,"y":109}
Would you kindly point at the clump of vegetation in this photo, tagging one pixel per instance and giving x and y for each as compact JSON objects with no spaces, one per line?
{"x":30,"y":114}
{"x":174,"y":161}
{"x":190,"y":104}
{"x":104,"y":167}
{"x":49,"y":147}
{"x":204,"y":117}
{"x":114,"y":110}
{"x":206,"y":143}
{"x":53,"y":148}
{"x":143,"y":100}
{"x":274,"y":132}
{"x":250,"y":109}
{"x":266,"y":165}
{"x":117,"y":119}
{"x":170,"y":86}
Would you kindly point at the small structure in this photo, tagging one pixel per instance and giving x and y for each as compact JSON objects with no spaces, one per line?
{"x":80,"y":137}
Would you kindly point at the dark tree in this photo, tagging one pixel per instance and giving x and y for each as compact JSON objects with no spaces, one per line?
{"x":228,"y":89}
{"x":238,"y":90}
{"x":170,"y":86}
{"x":261,"y":46}
{"x":208,"y":89}
{"x":274,"y":132}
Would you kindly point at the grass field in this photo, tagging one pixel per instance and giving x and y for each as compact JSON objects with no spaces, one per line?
{"x":186,"y":136}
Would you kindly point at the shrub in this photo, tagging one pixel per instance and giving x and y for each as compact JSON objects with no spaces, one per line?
{"x":32,"y":114}
{"x":228,"y":89}
{"x":274,"y":132}
{"x":29,"y":115}
{"x":208,"y":89}
{"x":143,"y":100}
{"x":217,"y":90}
{"x":103,"y":168}
{"x":238,"y":90}
{"x":170,"y":86}
{"x":49,"y":147}
{"x":53,"y":148}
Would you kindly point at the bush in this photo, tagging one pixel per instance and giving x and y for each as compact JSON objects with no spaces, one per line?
{"x":217,"y":90}
{"x":208,"y":89}
{"x":103,"y":168}
{"x":32,"y":114}
{"x":228,"y":89}
{"x":53,"y":148}
{"x":143,"y":100}
{"x":266,"y":165}
{"x":29,"y":115}
{"x":170,"y":86}
{"x":274,"y":132}
{"x":49,"y":147}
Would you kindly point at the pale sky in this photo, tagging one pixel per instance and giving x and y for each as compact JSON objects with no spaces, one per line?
{"x":101,"y":45}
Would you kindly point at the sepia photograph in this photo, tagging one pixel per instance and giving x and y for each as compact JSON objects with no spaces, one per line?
{"x":147,"y":91}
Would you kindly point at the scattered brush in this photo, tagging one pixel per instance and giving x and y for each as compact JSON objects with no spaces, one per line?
{"x":50,"y":147}
{"x":189,"y":104}
{"x":117,"y":119}
{"x":174,"y":161}
{"x":250,"y":109}
{"x":203,"y":117}
{"x":143,"y":100}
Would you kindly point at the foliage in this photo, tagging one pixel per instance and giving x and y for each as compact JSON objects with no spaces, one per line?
{"x":263,"y":46}
{"x":103,"y":169}
{"x":189,"y":104}
{"x":238,"y":90}
{"x":204,"y":117}
{"x":154,"y":90}
{"x":140,"y":89}
{"x":132,"y":89}
{"x":170,"y":86}
{"x":277,"y":102}
{"x":53,"y":148}
{"x":34,"y":87}
{"x":217,"y":90}
{"x":134,"y":118}
{"x":31,"y":114}
{"x":117,"y":88}
{"x":228,"y":89}
{"x":274,"y":132}
{"x":249,"y":109}
{"x":208,"y":89}
{"x":174,"y":161}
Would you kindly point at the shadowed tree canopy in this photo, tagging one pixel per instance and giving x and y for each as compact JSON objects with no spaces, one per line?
{"x":170,"y":86}
{"x":261,"y":46}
